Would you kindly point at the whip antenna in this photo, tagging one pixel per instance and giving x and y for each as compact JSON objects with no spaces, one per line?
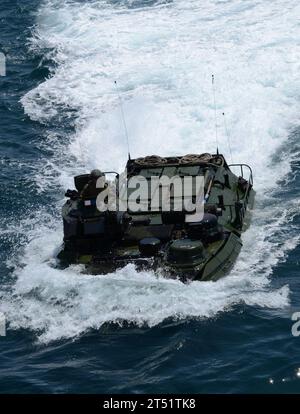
{"x":214,"y":95}
{"x":228,"y":137}
{"x":123,"y":119}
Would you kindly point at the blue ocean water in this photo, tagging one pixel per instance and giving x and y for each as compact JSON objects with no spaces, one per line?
{"x":59,"y":115}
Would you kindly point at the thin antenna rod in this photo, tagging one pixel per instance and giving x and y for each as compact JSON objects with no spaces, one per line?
{"x":228,"y":137}
{"x":215,"y":106}
{"x":123,"y":119}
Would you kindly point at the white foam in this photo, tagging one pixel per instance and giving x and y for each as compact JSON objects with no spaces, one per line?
{"x":61,"y":304}
{"x":163,"y":58}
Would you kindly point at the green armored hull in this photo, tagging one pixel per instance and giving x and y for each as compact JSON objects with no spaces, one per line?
{"x":195,"y":235}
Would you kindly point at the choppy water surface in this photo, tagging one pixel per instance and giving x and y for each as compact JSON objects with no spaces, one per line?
{"x":130,"y":331}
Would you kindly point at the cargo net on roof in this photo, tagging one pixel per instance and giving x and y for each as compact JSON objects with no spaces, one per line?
{"x":156,"y":160}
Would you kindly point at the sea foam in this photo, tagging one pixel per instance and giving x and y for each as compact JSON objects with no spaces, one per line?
{"x":162,"y":57}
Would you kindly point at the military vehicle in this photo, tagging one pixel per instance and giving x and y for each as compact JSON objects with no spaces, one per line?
{"x":189,"y":245}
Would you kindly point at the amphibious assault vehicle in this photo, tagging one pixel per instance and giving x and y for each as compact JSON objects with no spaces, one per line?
{"x":201,"y":242}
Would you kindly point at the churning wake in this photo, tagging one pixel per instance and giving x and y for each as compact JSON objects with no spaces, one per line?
{"x":162,"y":54}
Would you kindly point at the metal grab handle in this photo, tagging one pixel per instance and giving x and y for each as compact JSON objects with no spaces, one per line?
{"x":249,"y":180}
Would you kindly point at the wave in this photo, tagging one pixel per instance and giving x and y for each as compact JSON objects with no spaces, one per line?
{"x":162,"y":56}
